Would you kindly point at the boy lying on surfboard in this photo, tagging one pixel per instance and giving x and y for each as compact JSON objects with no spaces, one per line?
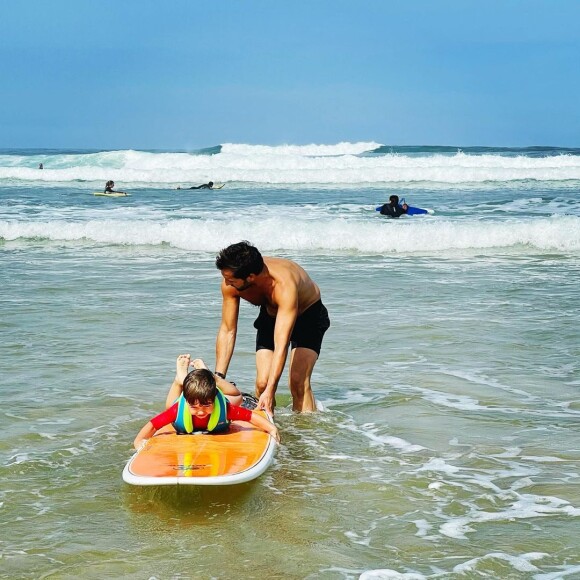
{"x":195,"y":403}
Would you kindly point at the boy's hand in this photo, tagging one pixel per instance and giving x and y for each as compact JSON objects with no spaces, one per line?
{"x":274,"y":433}
{"x":138,"y":446}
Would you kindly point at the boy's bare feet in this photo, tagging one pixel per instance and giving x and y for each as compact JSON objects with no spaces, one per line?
{"x":182,"y":367}
{"x":199,"y":364}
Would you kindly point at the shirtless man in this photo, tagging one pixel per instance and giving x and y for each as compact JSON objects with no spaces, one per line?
{"x":291,"y":312}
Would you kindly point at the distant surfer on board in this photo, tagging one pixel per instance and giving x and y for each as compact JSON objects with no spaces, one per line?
{"x":393,"y":209}
{"x":195,"y":403}
{"x":109,"y":187}
{"x":291,"y":313}
{"x":208,"y":185}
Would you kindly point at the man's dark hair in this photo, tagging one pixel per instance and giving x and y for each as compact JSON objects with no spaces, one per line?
{"x":394,"y":199}
{"x":242,"y":259}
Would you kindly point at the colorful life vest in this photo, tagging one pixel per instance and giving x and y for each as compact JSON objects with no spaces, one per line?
{"x":218,"y":420}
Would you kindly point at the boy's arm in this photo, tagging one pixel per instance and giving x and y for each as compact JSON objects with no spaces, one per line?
{"x":146,"y":432}
{"x":265,"y":425}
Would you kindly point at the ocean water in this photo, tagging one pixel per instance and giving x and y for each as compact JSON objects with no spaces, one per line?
{"x":450,"y":447}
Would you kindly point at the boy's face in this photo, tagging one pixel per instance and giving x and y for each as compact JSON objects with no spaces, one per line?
{"x":199,"y":410}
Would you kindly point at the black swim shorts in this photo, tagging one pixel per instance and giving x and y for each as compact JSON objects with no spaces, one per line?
{"x":308,"y":330}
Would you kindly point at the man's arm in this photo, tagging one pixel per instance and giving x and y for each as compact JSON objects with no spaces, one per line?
{"x":226,"y":337}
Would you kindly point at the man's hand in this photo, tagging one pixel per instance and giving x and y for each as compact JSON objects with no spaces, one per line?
{"x":266,"y":402}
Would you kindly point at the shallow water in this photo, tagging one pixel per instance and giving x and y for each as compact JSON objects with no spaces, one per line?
{"x":450,"y":446}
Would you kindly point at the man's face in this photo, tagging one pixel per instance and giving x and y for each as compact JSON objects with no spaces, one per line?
{"x":240,"y":284}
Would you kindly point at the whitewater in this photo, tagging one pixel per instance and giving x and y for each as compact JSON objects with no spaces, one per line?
{"x":344,"y":163}
{"x":308,"y":198}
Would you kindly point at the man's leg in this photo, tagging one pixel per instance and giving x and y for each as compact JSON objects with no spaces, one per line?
{"x":302,"y":361}
{"x":263,"y":364}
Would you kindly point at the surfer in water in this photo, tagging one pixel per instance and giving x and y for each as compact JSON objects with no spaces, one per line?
{"x":109,"y":187}
{"x":208,"y":185}
{"x":194,"y":403}
{"x":393,"y":209}
{"x":291,"y":314}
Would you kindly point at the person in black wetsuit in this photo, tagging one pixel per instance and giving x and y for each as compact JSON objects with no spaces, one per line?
{"x":208,"y":185}
{"x":109,"y":187}
{"x":393,"y":209}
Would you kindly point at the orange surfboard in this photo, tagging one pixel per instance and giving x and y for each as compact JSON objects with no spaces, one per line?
{"x":241,"y":454}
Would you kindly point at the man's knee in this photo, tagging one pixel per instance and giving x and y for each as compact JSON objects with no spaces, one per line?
{"x":299,"y":381}
{"x":261,"y":386}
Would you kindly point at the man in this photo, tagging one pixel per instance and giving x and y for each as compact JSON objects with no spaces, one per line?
{"x":393,"y":209}
{"x":291,"y":312}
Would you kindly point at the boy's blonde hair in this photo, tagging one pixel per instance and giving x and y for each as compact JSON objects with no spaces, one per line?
{"x":200,"y":387}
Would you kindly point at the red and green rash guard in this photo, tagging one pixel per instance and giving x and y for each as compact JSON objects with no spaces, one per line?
{"x":199,"y":424}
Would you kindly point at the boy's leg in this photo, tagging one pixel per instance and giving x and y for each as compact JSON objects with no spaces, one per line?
{"x":232,"y":393}
{"x":181,"y":370}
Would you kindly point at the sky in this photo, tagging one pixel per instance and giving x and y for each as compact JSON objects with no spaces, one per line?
{"x":187,"y":74}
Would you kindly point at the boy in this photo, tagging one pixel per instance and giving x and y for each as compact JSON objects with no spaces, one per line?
{"x":200,"y":405}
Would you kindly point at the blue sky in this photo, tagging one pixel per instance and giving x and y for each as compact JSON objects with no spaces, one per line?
{"x":184,"y":74}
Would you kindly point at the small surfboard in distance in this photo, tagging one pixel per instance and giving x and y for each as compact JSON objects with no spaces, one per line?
{"x":413,"y":210}
{"x":419,"y":211}
{"x":112,"y":194}
{"x":218,"y":185}
{"x":241,"y":454}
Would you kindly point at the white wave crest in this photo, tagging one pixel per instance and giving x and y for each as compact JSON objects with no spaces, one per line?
{"x":556,"y":233}
{"x":288,"y":164}
{"x":343,"y":148}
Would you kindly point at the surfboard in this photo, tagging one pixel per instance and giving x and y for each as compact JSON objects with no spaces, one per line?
{"x":218,"y":186}
{"x":241,"y":454}
{"x":418,"y":211}
{"x":413,"y":210}
{"x":113,"y":194}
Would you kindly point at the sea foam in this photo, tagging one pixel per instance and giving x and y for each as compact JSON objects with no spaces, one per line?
{"x":327,"y":236}
{"x":343,"y":163}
